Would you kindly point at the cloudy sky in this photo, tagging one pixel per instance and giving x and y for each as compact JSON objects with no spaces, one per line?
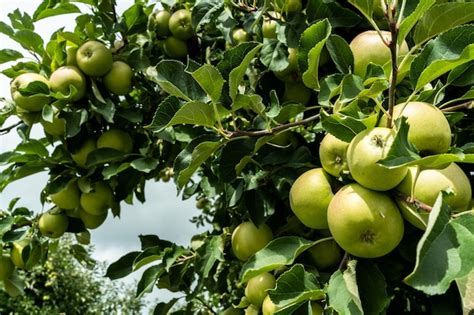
{"x":164,"y":213}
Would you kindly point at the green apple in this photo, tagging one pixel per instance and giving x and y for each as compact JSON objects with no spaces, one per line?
{"x":67,"y":76}
{"x":368,"y":47}
{"x":256,"y":289}
{"x":291,"y":72}
{"x":284,"y":139}
{"x":57,"y":127}
{"x":268,"y":307}
{"x":252,"y":310}
{"x":17,"y":251}
{"x":325,"y":254}
{"x":288,"y":6}
{"x":119,"y":79}
{"x":365,"y":223}
{"x":269,"y":29}
{"x":68,"y":197}
{"x":428,"y":184}
{"x":239,"y":36}
{"x":296,"y":92}
{"x":29,"y":118}
{"x":91,"y":221}
{"x":310,"y":195}
{"x":180,"y":24}
{"x":232,"y":311}
{"x":71,"y":53}
{"x":99,"y":200}
{"x":162,"y":19}
{"x":422,"y":117}
{"x":6,"y":267}
{"x":364,"y":151}
{"x":94,"y":59}
{"x":175,"y":48}
{"x":247,"y":239}
{"x":33,"y":103}
{"x":80,"y":156}
{"x":116,"y":139}
{"x":316,"y":309}
{"x":53,"y":223}
{"x":333,"y":155}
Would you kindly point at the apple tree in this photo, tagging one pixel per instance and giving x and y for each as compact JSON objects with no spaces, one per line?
{"x":328,"y":146}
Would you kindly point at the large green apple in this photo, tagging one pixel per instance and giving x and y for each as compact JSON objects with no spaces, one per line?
{"x":269,"y":28}
{"x":17,"y":251}
{"x":56,"y":127}
{"x":290,"y":73}
{"x":333,"y":155}
{"x":429,"y":129}
{"x":53,"y":223}
{"x":310,"y":195}
{"x":116,"y":139}
{"x":91,"y":221}
{"x":239,"y":36}
{"x":180,"y":24}
{"x":6,"y":267}
{"x":268,"y":307}
{"x":33,"y":103}
{"x":325,"y":254}
{"x":99,"y":200}
{"x":68,"y":197}
{"x":162,"y":19}
{"x":67,"y":76}
{"x":80,"y":156}
{"x":427,"y":185}
{"x":364,"y":151}
{"x":368,"y":47}
{"x":365,"y":223}
{"x":175,"y":47}
{"x":296,"y":92}
{"x":94,"y":59}
{"x":119,"y":79}
{"x":256,"y":289}
{"x":247,"y":239}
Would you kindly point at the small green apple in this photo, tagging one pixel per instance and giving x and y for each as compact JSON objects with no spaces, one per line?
{"x":180,"y":24}
{"x":247,"y":239}
{"x":64,"y":77}
{"x":56,"y":128}
{"x":291,"y":72}
{"x":116,"y":139}
{"x":68,"y":197}
{"x":325,"y":254}
{"x":268,"y":307}
{"x":175,"y":47}
{"x":288,"y":6}
{"x":33,"y":103}
{"x":80,"y":156}
{"x":6,"y":267}
{"x":239,"y":36}
{"x":269,"y":28}
{"x":119,"y":79}
{"x":94,"y":59}
{"x":162,"y":19}
{"x":91,"y":221}
{"x":333,"y":155}
{"x":53,"y":223}
{"x":296,"y":92}
{"x":17,"y":251}
{"x":256,"y":289}
{"x":99,"y":200}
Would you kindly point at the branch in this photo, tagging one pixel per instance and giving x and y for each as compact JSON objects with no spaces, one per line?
{"x":6,"y":130}
{"x":344,"y":261}
{"x":465,"y":105}
{"x":418,"y":204}
{"x":394,"y":28}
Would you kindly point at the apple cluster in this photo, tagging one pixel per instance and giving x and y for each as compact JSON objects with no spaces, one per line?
{"x":173,"y":30}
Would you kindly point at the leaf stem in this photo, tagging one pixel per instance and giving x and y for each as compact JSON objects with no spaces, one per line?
{"x":418,"y":204}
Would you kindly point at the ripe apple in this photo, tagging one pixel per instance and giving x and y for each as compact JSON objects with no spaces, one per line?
{"x":288,"y":6}
{"x":363,"y":153}
{"x":6,"y":267}
{"x":256,"y":289}
{"x":68,"y":197}
{"x":53,"y":224}
{"x":175,"y":48}
{"x":427,"y":186}
{"x":333,"y":155}
{"x":290,"y":73}
{"x":33,"y":103}
{"x":80,"y":156}
{"x":268,"y":307}
{"x":296,"y":92}
{"x":180,"y":24}
{"x":161,"y":20}
{"x":247,"y":239}
{"x":269,"y":29}
{"x":119,"y":79}
{"x":99,"y":200}
{"x":91,"y":221}
{"x":94,"y":59}
{"x":325,"y":254}
{"x":422,"y":117}
{"x":56,"y":128}
{"x":252,"y":310}
{"x":17,"y":251}
{"x":365,"y":223}
{"x":310,"y":195}
{"x":239,"y":36}
{"x":316,"y":309}
{"x":116,"y":139}
{"x":64,"y":77}
{"x":368,"y":47}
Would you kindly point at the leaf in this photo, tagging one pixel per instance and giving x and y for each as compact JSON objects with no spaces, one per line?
{"x":144,"y":164}
{"x":410,"y":21}
{"x":231,"y":155}
{"x":372,"y":288}
{"x":103,"y":155}
{"x":148,"y":280}
{"x":164,"y":113}
{"x":122,"y":267}
{"x":444,"y":252}
{"x":274,"y":55}
{"x":7,"y":55}
{"x":466,"y":289}
{"x":33,"y":147}
{"x":340,"y":53}
{"x":279,"y":252}
{"x":205,"y":12}
{"x":253,"y":102}
{"x":341,"y":126}
{"x":210,"y":80}
{"x":14,"y":286}
{"x":211,"y":252}
{"x":234,"y":57}
{"x":343,"y":293}
{"x":29,"y":40}
{"x":441,"y":18}
{"x":237,"y":74}
{"x":58,"y":9}
{"x":366,"y":7}
{"x":336,"y":14}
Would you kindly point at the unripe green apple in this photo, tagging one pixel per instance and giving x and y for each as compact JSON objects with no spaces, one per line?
{"x":16,"y":253}
{"x":162,"y":19}
{"x":296,"y":92}
{"x":116,"y":139}
{"x":33,"y":103}
{"x":333,"y":155}
{"x":256,"y":289}
{"x":288,"y":6}
{"x":80,"y":156}
{"x":364,"y":151}
{"x":99,"y":200}
{"x":247,"y":239}
{"x":175,"y":47}
{"x":94,"y":59}
{"x":365,"y":223}
{"x":62,"y":78}
{"x":53,"y":224}
{"x":310,"y":195}
{"x":290,"y":73}
{"x":239,"y":36}
{"x":91,"y":221}
{"x":180,"y":24}
{"x":325,"y":254}
{"x":268,"y":307}
{"x":68,"y":197}
{"x":29,"y":118}
{"x":6,"y":267}
{"x":56,"y":128}
{"x":252,"y":310}
{"x":119,"y":79}
{"x":269,"y":29}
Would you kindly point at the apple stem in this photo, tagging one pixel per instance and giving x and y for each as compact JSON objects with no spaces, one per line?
{"x":418,"y":204}
{"x":344,"y":261}
{"x":394,"y":28}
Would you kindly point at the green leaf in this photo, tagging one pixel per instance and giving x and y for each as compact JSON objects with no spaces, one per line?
{"x":29,"y":40}
{"x":144,"y":164}
{"x":33,"y":147}
{"x":7,"y":55}
{"x":279,"y":252}
{"x":148,"y":280}
{"x":341,"y":126}
{"x":14,"y":286}
{"x":58,"y":9}
{"x":366,"y":7}
{"x":340,"y":53}
{"x":194,"y":113}
{"x":234,"y":57}
{"x":231,"y":155}
{"x":343,"y":293}
{"x":337,"y":14}
{"x":274,"y":55}
{"x":253,"y":102}
{"x":164,"y":113}
{"x":122,"y":267}
{"x":441,"y":18}
{"x":237,"y":74}
{"x":103,"y":155}
{"x":211,"y":81}
{"x":466,"y":289}
{"x":135,"y":18}
{"x":444,"y":252}
{"x":330,"y":87}
{"x":210,"y":253}
{"x":410,"y":21}
{"x":206,"y":12}
{"x":372,"y":288}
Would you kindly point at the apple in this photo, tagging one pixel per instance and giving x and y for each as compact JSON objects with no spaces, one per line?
{"x":247,"y":239}
{"x":428,"y":184}
{"x":32,"y":103}
{"x":269,"y":29}
{"x":325,"y":254}
{"x":239,"y":36}
{"x":116,"y":139}
{"x":333,"y":155}
{"x":80,"y":156}
{"x":119,"y":79}
{"x":284,"y":139}
{"x":68,"y":197}
{"x":365,"y":223}
{"x":422,"y":117}
{"x":316,"y":309}
{"x":17,"y":251}
{"x":99,"y":200}
{"x":252,"y":310}
{"x":256,"y":289}
{"x":94,"y":59}
{"x":161,"y":20}
{"x":180,"y":24}
{"x":310,"y":195}
{"x":56,"y":128}
{"x":232,"y":311}
{"x":67,"y":76}
{"x":71,"y":53}
{"x":368,"y":47}
{"x":364,"y":151}
{"x":296,"y":92}
{"x":91,"y":221}
{"x":6,"y":267}
{"x":268,"y":307}
{"x":288,"y":6}
{"x":175,"y":48}
{"x":291,"y":72}
{"x":53,"y":223}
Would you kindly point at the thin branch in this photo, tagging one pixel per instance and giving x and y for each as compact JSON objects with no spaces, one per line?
{"x":465,"y":105}
{"x":418,"y":204}
{"x":394,"y":28}
{"x":6,"y":130}
{"x":344,"y":260}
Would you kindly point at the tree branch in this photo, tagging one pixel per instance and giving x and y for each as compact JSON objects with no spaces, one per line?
{"x":6,"y":130}
{"x":394,"y":28}
{"x":465,"y":105}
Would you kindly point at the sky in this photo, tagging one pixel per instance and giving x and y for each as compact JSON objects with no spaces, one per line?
{"x":163,"y":214}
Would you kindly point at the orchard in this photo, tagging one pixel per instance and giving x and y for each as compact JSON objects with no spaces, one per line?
{"x":328,"y":145}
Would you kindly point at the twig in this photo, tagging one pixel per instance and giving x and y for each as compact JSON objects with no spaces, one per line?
{"x":344,"y":260}
{"x":6,"y":130}
{"x":465,"y":105}
{"x":394,"y":28}
{"x":418,"y":204}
